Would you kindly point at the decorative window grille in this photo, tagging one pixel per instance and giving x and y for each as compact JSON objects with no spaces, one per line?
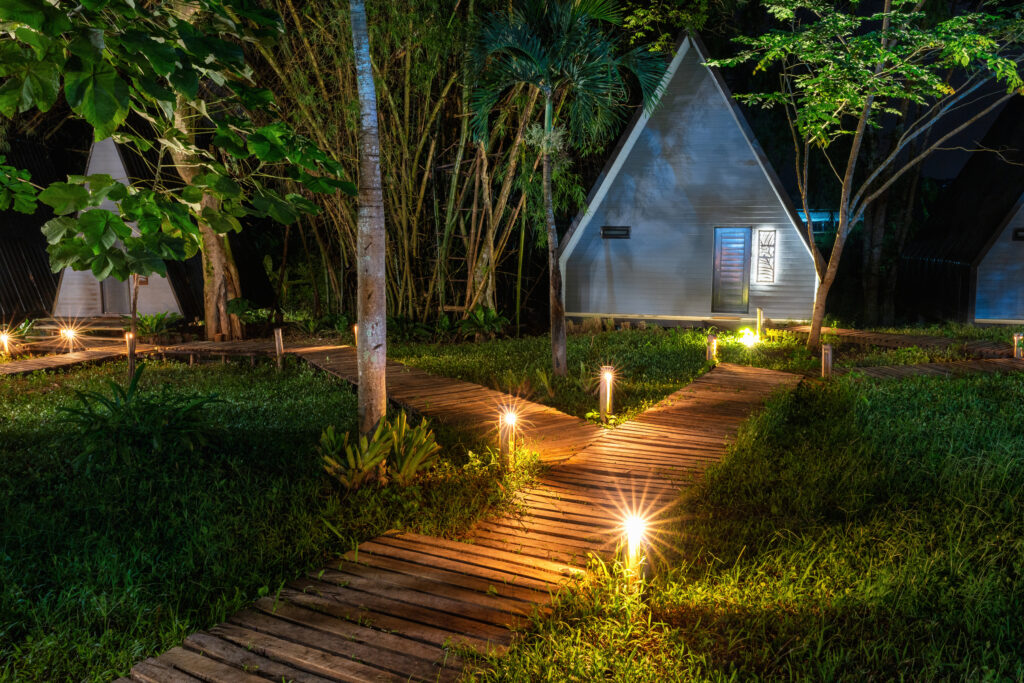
{"x":766,"y":256}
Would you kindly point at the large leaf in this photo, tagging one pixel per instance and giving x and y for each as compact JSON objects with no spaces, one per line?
{"x":56,"y":229}
{"x":98,"y":94}
{"x":31,"y":82}
{"x":65,"y":198}
{"x":31,"y":12}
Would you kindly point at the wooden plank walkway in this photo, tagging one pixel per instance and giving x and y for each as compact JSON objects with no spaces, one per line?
{"x":977,"y":349}
{"x":958,"y":368}
{"x":465,"y":406}
{"x":60,"y":361}
{"x":392,"y":609}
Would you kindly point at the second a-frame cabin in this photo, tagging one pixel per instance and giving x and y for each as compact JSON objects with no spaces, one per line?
{"x":688,"y":221}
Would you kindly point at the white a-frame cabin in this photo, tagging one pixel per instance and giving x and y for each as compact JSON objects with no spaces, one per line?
{"x":80,"y":294}
{"x":688,"y":221}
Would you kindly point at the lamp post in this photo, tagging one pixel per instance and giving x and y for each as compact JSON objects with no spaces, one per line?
{"x":507,"y":436}
{"x":1018,"y":346}
{"x":5,"y":342}
{"x":129,"y":345}
{"x":279,"y":347}
{"x":826,"y":361}
{"x":712,"y":354}
{"x":605,"y":397}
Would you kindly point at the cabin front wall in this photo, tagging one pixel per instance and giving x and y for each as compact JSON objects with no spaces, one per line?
{"x":999,"y":290}
{"x":690,"y":170}
{"x":82,"y":295}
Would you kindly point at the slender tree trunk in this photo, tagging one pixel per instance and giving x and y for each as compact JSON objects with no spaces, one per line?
{"x":370,"y":266}
{"x":134,"y":331}
{"x":559,"y":363}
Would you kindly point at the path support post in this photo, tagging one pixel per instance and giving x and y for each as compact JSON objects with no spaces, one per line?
{"x":1018,"y":346}
{"x":279,"y":347}
{"x":760,"y":322}
{"x":826,"y":361}
{"x":712,"y":354}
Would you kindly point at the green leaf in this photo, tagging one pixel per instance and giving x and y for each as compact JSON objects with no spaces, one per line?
{"x":102,"y":266}
{"x":30,"y":12}
{"x":221,"y":222}
{"x":101,"y":228}
{"x":31,"y":82}
{"x":56,"y":229}
{"x":65,"y":198}
{"x":303,"y":204}
{"x":230,"y":141}
{"x":97,"y":93}
{"x":192,"y":194}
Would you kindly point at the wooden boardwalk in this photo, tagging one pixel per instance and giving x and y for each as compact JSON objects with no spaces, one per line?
{"x":976,"y":349}
{"x":393,"y":609}
{"x":60,"y":361}
{"x":958,"y":368}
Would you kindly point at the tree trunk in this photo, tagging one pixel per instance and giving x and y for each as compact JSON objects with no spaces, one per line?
{"x":370,"y":267}
{"x":874,"y":240}
{"x":133,"y":332}
{"x":219,"y":283}
{"x":559,"y":363}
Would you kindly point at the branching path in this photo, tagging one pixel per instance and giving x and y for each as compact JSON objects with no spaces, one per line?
{"x":392,"y":609}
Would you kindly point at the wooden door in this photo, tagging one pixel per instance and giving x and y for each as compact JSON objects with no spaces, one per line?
{"x":731,"y":284}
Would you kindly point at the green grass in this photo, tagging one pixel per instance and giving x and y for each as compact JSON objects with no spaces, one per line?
{"x":104,"y":566}
{"x":856,"y":531}
{"x":649,"y":364}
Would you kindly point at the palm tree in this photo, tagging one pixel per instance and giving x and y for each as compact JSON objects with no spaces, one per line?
{"x":371,"y":304}
{"x":563,"y":49}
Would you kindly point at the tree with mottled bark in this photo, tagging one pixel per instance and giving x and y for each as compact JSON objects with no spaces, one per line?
{"x":842,"y":74}
{"x":563,"y":50}
{"x":371,"y":305}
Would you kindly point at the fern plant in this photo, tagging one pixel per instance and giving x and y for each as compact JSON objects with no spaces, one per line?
{"x":413,"y":450}
{"x":483,"y":322}
{"x":127,"y":424}
{"x":355,"y":465}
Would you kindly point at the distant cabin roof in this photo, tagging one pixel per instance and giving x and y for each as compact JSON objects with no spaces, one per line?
{"x":976,"y":205}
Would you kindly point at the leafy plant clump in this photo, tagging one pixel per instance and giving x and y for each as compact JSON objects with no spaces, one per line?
{"x":155,"y":325}
{"x":395,"y":452}
{"x":125,"y":425}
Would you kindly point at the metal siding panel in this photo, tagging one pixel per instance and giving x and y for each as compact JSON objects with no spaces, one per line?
{"x":690,"y":170}
{"x":1000,"y":290}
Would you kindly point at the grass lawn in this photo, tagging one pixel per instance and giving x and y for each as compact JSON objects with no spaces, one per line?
{"x":856,"y":531}
{"x":960,"y":331}
{"x":113,"y":556}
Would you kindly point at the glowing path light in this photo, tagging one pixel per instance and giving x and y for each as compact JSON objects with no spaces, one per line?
{"x":507,"y":422}
{"x":749,"y":339}
{"x":69,"y":334}
{"x":5,"y":342}
{"x":605,"y":397}
{"x":634,"y":528}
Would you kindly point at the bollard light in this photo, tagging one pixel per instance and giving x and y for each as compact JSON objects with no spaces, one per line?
{"x":605,"y":396}
{"x":355,"y":335}
{"x":5,"y":342}
{"x":1018,"y":346}
{"x":712,"y":354}
{"x":128,"y":336}
{"x":635,"y":530}
{"x":507,"y":422}
{"x":749,"y":339}
{"x":69,"y":334}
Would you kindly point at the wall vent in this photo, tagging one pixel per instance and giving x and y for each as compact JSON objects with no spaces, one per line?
{"x":615,"y":232}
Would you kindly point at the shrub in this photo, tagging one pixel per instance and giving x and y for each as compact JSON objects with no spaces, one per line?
{"x":413,"y":450}
{"x":357,"y":464}
{"x":129,"y":424}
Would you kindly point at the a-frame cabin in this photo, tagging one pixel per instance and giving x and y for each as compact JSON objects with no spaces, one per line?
{"x":688,"y":221}
{"x":80,"y":294}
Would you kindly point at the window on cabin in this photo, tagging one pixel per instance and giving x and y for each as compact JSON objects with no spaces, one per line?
{"x":766,"y":256}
